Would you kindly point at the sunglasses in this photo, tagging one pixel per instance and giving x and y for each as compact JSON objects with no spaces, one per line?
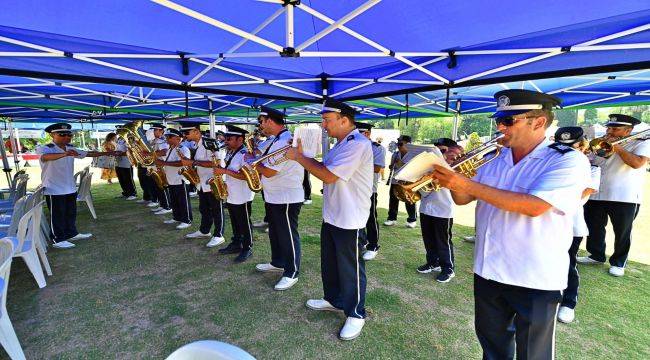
{"x":510,"y":120}
{"x":65,"y":134}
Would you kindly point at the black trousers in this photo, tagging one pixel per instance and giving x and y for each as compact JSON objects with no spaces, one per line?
{"x":266,"y":209}
{"x":242,"y":229}
{"x":211,"y":211}
{"x":306,"y":185}
{"x":511,"y":317}
{"x":180,"y":203}
{"x":284,"y":237}
{"x":570,"y":295}
{"x":622,"y":216}
{"x":147,"y":185}
{"x":63,"y":216}
{"x":370,"y":235}
{"x":436,"y":235}
{"x":393,"y":206}
{"x":163,"y":197}
{"x":343,"y":270}
{"x":125,"y":178}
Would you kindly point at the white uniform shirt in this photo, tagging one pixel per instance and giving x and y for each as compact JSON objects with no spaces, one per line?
{"x":238,"y":190}
{"x":159,"y":144}
{"x":346,"y":202}
{"x":286,"y":186}
{"x":398,"y":160}
{"x":203,"y":154}
{"x":437,"y":203}
{"x":619,"y":181}
{"x":579,"y":225}
{"x":379,"y":159}
{"x":173,"y":178}
{"x":520,"y":250}
{"x":57,"y":176}
{"x":122,"y":161}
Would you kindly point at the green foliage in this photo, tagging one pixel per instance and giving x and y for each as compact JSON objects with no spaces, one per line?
{"x":480,"y":124}
{"x":473,"y":142}
{"x":566,"y":117}
{"x":591,"y":116}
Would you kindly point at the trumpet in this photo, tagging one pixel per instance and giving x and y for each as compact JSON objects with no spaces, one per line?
{"x":604,"y":147}
{"x":188,"y":172}
{"x":273,"y":158}
{"x":467,"y":165}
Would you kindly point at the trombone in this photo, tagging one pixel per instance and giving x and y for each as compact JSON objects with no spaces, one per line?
{"x":604,"y":147}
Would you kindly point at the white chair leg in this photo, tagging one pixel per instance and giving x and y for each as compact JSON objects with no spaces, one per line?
{"x":31,"y":259}
{"x":89,"y":202}
{"x":44,"y":261}
{"x":9,"y":339}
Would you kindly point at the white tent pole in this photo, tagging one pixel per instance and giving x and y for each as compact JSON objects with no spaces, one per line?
{"x":454,"y":129}
{"x":5,"y":163}
{"x":83,"y":137}
{"x":14,"y":148}
{"x":289,"y":26}
{"x":212,"y":122}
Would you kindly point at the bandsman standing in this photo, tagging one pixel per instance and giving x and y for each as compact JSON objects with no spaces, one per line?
{"x":399,"y":158}
{"x":283,"y":195}
{"x":210,"y":207}
{"x":59,"y":187}
{"x":160,"y":146}
{"x":526,"y":198}
{"x":124,"y":171}
{"x":621,"y":190}
{"x":371,"y":233}
{"x":178,"y":189}
{"x":347,"y":174}
{"x":240,"y":197}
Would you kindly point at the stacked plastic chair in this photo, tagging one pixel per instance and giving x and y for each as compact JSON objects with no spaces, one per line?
{"x":83,"y":191}
{"x":8,"y":337}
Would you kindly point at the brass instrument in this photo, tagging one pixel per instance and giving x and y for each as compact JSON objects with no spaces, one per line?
{"x":467,"y":165}
{"x":250,"y":168}
{"x":134,"y":136}
{"x":217,"y":183}
{"x":604,"y":147}
{"x":188,"y":172}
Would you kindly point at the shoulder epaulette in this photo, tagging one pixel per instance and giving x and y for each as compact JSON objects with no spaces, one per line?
{"x":242,"y":151}
{"x":376,"y":143}
{"x":561,"y":148}
{"x":350,"y":137}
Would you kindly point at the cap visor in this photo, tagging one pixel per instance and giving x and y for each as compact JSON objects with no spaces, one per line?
{"x":507,"y":113}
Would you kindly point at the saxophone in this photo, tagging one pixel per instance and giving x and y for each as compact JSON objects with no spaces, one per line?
{"x":250,"y":172}
{"x":217,"y":183}
{"x":188,"y":172}
{"x":157,"y":173}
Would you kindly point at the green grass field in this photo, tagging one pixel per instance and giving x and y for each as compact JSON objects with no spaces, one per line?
{"x":138,"y":289}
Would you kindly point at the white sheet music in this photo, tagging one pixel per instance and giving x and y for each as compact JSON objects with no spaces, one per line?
{"x":311,"y":138}
{"x":420,"y":165}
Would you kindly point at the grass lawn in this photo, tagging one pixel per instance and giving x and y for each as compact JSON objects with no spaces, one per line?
{"x":138,"y":289}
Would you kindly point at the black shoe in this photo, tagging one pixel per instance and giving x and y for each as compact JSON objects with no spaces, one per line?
{"x":243,"y":256}
{"x":427,"y":268}
{"x":445,"y":276}
{"x":232,"y":248}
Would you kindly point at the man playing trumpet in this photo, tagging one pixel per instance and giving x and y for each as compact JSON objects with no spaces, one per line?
{"x":178,"y":192}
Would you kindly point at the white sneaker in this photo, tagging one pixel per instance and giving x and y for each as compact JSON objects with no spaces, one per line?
{"x":131,"y":198}
{"x":266,"y":230}
{"x":215,"y":241}
{"x":182,"y":226}
{"x":194,"y":194}
{"x":390,"y":222}
{"x":566,"y":315}
{"x":261,"y":223}
{"x":321,"y":305}
{"x":80,"y":236}
{"x":153,"y":204}
{"x":142,"y":201}
{"x":170,"y":221}
{"x":63,"y":245}
{"x":163,"y":211}
{"x":156,"y":209}
{"x":369,"y":255}
{"x":469,"y":239}
{"x":267,"y":268}
{"x":352,"y":328}
{"x":586,"y":260}
{"x":616,"y":271}
{"x":307,"y":202}
{"x":285,"y":283}
{"x":197,"y":234}
{"x":411,"y":224}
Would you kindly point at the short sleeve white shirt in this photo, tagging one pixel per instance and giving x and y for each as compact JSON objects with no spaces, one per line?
{"x":205,"y":174}
{"x":57,"y":176}
{"x":286,"y":186}
{"x":579,"y":225}
{"x":238,"y":190}
{"x":619,"y":181}
{"x":520,"y":250}
{"x":346,"y":202}
{"x":122,"y":161}
{"x":173,"y":178}
{"x":379,"y":159}
{"x":159,"y":144}
{"x":398,"y":160}
{"x":437,"y":203}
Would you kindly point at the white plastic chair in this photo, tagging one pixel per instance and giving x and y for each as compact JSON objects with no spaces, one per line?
{"x":25,"y":244}
{"x":12,"y":188}
{"x":84,"y":194}
{"x":209,"y":350}
{"x":20,"y":191}
{"x":10,"y":228}
{"x":8,"y":337}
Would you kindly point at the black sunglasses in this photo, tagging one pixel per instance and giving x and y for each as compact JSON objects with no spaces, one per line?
{"x":510,"y":120}
{"x":65,"y":134}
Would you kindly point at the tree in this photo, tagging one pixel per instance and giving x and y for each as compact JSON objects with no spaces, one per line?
{"x":591,"y":116}
{"x":567,"y":117}
{"x":479,"y":124}
{"x":473,"y":141}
